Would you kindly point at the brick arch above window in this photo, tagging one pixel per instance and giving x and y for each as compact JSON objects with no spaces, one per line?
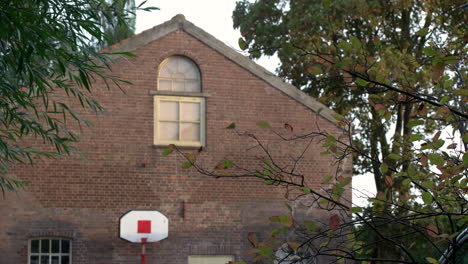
{"x":179,"y":74}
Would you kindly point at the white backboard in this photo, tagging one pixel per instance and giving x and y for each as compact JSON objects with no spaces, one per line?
{"x":137,"y":226}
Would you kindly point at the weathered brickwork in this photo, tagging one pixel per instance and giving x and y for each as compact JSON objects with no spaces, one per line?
{"x":83,"y":198}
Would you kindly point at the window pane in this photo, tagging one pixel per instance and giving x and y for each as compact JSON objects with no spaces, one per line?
{"x":34,"y":260}
{"x":179,"y":86}
{"x":172,"y":63}
{"x":190,"y":111}
{"x":192,"y":72}
{"x":44,"y":259}
{"x":65,"y":246}
{"x":190,"y":132}
{"x":165,"y":72}
{"x":34,"y":246}
{"x":168,"y":131}
{"x":165,"y":85}
{"x":45,"y":246}
{"x":65,"y":260}
{"x":184,"y":64}
{"x":179,"y":75}
{"x":55,"y":246}
{"x":55,"y":260}
{"x":169,"y":110}
{"x":192,"y":86}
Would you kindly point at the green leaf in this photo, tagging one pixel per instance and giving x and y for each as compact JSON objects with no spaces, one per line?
{"x":315,"y":70}
{"x":311,"y":227}
{"x":324,"y":244}
{"x":306,"y":190}
{"x":415,"y":122}
{"x":167,"y":151}
{"x":337,"y":117}
{"x":427,"y":197}
{"x":423,"y":31}
{"x":444,"y":100}
{"x":342,"y":64}
{"x":255,"y":53}
{"x":285,"y":220}
{"x":361,"y":82}
{"x":227,"y":164}
{"x":429,"y":51}
{"x":356,"y":209}
{"x":463,"y":92}
{"x":231,"y":126}
{"x":451,"y":59}
{"x":436,"y":159}
{"x":345,"y":181}
{"x":326,"y":3}
{"x":265,"y":251}
{"x":465,"y":159}
{"x":263,"y":124}
{"x":344,"y":45}
{"x":355,"y":42}
{"x":126,"y":53}
{"x":432,"y":260}
{"x":394,"y":156}
{"x":427,"y":184}
{"x":406,"y":181}
{"x":327,"y":179}
{"x":415,"y":137}
{"x":187,"y":165}
{"x":242,"y":44}
{"x":270,"y":182}
{"x":383,"y":168}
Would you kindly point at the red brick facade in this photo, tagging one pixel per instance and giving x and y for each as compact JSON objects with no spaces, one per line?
{"x":83,"y":198}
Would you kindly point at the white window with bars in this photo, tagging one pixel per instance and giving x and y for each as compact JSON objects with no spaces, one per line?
{"x":49,"y":251}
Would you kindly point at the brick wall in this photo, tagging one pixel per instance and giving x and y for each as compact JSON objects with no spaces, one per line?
{"x":83,"y":198}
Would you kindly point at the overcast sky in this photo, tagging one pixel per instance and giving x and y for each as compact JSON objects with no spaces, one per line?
{"x":215,"y":17}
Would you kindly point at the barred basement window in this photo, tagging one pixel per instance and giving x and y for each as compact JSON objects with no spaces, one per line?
{"x":49,"y":251}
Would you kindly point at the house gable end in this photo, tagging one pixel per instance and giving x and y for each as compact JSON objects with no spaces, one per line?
{"x":180,"y":23}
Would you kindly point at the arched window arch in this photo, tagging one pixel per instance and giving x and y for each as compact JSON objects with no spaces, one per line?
{"x":179,"y":110}
{"x":179,"y":74}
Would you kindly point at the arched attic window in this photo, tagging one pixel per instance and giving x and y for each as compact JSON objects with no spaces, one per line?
{"x":179,"y":106}
{"x":179,"y":74}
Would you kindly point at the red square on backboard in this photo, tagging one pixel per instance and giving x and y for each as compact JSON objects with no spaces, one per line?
{"x":144,"y":226}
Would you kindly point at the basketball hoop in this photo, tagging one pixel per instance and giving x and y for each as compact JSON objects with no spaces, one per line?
{"x":143,"y":227}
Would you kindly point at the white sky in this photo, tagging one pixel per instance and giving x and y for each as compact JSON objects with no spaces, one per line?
{"x":215,"y":17}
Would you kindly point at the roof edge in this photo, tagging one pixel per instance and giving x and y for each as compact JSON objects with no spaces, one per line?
{"x":179,"y":22}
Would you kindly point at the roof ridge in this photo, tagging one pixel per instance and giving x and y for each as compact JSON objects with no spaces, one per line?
{"x":179,"y":22}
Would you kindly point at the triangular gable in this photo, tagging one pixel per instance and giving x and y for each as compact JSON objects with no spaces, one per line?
{"x":180,"y":23}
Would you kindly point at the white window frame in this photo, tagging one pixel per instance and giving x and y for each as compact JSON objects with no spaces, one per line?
{"x":50,"y":254}
{"x":193,"y":258}
{"x":157,"y":112}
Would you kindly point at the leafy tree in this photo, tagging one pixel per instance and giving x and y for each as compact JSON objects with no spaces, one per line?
{"x":47,"y":46}
{"x":397,"y":70}
{"x":110,"y":18}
